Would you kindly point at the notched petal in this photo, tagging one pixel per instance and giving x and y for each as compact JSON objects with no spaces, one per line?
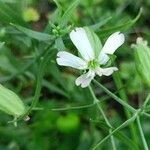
{"x":112,"y":44}
{"x":80,"y":40}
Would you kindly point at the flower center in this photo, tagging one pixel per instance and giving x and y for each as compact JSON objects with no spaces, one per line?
{"x":92,"y":64}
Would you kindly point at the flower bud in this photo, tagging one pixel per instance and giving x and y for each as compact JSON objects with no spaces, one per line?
{"x":10,"y":103}
{"x":142,"y":59}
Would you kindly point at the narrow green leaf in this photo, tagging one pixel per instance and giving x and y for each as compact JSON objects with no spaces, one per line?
{"x":58,"y":5}
{"x":67,"y":15}
{"x":56,"y":16}
{"x":34,"y":34}
{"x":97,"y":26}
{"x":122,"y":27}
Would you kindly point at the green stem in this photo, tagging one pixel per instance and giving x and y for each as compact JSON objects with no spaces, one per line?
{"x":142,"y":134}
{"x":73,"y":107}
{"x":119,"y":100}
{"x":145,"y":114}
{"x":42,"y":66}
{"x":43,"y":62}
{"x":104,"y":116}
{"x":123,"y":96}
{"x":146,"y":101}
{"x":123,"y":125}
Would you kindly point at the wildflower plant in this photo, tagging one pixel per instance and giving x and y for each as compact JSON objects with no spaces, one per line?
{"x":34,"y":51}
{"x":93,"y":56}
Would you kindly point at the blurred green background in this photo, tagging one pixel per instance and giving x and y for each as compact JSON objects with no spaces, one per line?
{"x":72,"y":129}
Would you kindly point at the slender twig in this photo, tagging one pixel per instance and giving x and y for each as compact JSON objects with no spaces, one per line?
{"x":104,"y":116}
{"x":145,"y":114}
{"x":41,"y":68}
{"x":119,"y":100}
{"x":122,"y":93}
{"x":73,"y":107}
{"x":126,"y":123}
{"x":141,"y":133}
{"x":146,"y":101}
{"x":79,"y":107}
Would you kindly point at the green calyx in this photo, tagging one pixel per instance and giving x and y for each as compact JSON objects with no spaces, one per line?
{"x":93,"y":64}
{"x":10,"y":103}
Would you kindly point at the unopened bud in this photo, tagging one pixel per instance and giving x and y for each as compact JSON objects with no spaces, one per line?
{"x":10,"y":103}
{"x":142,"y":60}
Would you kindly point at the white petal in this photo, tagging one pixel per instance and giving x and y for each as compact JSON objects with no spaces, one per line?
{"x":80,"y":40}
{"x":98,"y":71}
{"x":113,"y":42}
{"x":67,"y":59}
{"x":106,"y":71}
{"x":85,"y":79}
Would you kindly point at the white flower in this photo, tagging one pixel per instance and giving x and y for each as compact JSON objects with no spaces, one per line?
{"x":93,"y":55}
